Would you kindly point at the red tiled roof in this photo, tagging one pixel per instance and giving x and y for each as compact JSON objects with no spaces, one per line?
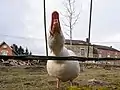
{"x":105,"y":47}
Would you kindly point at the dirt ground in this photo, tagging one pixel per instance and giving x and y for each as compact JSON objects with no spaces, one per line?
{"x":36,"y":78}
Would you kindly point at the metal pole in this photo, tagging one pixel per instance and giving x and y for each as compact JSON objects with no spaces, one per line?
{"x":89,"y":28}
{"x":45,"y":27}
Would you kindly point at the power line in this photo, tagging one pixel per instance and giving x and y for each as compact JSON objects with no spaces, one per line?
{"x":105,"y":42}
{"x":19,"y":37}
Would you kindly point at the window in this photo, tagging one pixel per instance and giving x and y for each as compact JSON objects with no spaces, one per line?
{"x":100,"y":55}
{"x":4,"y":46}
{"x":82,"y":52}
{"x":116,"y":54}
{"x":108,"y":55}
{"x":4,"y":52}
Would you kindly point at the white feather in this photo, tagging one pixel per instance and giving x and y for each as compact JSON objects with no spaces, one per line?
{"x":64,"y":70}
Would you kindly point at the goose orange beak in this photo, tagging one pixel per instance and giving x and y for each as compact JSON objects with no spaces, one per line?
{"x":55,"y":27}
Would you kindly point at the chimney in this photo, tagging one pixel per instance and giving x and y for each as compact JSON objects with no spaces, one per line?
{"x":110,"y":46}
{"x":87,"y":40}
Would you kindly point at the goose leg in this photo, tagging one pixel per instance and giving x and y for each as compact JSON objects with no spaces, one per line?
{"x":58,"y":82}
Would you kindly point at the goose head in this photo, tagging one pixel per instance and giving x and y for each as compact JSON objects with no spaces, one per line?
{"x":56,"y":38}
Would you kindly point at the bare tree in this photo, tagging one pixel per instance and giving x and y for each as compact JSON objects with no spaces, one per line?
{"x":71,"y":16}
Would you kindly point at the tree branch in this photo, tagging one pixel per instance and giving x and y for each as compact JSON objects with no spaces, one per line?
{"x":76,"y":19}
{"x":71,"y":15}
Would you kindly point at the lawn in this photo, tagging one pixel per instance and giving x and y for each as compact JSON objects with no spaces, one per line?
{"x":36,"y":78}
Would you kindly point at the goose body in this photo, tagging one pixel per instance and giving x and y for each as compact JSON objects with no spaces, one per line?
{"x":64,"y":70}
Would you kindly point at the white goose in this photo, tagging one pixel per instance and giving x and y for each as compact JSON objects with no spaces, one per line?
{"x":61,"y":70}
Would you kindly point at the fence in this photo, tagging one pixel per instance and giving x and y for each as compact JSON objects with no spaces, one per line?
{"x":34,"y":57}
{"x":84,"y":60}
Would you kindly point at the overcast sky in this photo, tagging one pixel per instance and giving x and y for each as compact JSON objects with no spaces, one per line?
{"x":21,"y":22}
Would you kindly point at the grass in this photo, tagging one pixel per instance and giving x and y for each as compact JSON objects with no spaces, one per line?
{"x":36,"y":78}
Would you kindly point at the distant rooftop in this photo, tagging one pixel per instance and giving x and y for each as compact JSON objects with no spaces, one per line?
{"x":79,"y":42}
{"x":105,"y":47}
{"x":75,"y":42}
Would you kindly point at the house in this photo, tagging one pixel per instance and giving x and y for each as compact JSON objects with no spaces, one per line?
{"x":80,"y":48}
{"x":5,"y":49}
{"x":106,"y":51}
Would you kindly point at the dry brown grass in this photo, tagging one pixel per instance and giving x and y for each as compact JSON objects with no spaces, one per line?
{"x":36,"y":78}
